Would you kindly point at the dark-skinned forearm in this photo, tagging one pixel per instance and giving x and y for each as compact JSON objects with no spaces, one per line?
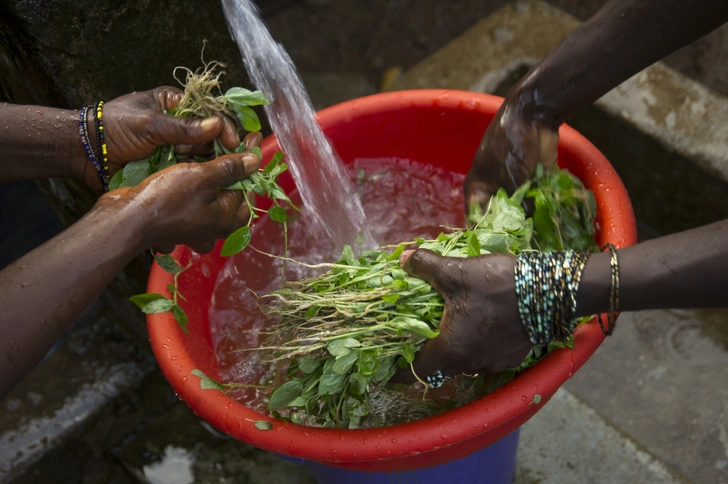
{"x":679,"y":271}
{"x":40,"y":142}
{"x":624,"y":37}
{"x":44,"y":292}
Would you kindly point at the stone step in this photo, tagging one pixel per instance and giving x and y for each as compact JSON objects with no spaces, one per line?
{"x":568,"y":442}
{"x":80,"y":401}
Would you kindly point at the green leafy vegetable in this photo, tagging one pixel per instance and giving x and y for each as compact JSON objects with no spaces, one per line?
{"x":167,"y":263}
{"x":263,"y":425}
{"x":344,"y":333}
{"x":152,"y":303}
{"x":285,"y":394}
{"x":207,"y":383}
{"x":202,"y":99}
{"x":277,"y":214}
{"x":236,"y":242}
{"x":237,"y":96}
{"x":180,"y":316}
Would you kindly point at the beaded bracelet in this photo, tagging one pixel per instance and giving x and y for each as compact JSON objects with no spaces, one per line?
{"x":101,"y":142}
{"x":613,"y":293}
{"x":83,"y":133}
{"x":546,"y":287}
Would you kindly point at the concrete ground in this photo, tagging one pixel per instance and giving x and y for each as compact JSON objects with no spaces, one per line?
{"x":650,"y":405}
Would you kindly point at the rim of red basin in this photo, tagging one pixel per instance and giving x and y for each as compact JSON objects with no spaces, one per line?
{"x":434,"y":440}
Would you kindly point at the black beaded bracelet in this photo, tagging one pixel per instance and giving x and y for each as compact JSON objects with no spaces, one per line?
{"x":83,"y":133}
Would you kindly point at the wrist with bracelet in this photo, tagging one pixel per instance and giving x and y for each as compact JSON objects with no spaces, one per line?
{"x":100,"y":158}
{"x":546,"y":289}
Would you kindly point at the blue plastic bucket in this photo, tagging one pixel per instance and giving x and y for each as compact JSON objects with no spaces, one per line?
{"x":495,"y":464}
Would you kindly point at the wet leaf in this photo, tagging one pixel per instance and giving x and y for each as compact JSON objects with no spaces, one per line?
{"x":116,"y":180}
{"x":359,"y":383}
{"x":167,"y":158}
{"x":142,"y":300}
{"x":168,"y":263}
{"x":284,"y":394}
{"x":238,"y":96}
{"x":414,"y":326}
{"x":297,"y":402}
{"x":277,"y":214}
{"x":181,"y":317}
{"x":309,"y":364}
{"x":263,"y":425}
{"x":248,"y":118}
{"x":159,"y":305}
{"x":135,"y":172}
{"x":273,"y":163}
{"x":343,"y":364}
{"x":340,"y":347}
{"x":473,"y":245}
{"x":237,"y":242}
{"x":408,"y":353}
{"x":207,"y":383}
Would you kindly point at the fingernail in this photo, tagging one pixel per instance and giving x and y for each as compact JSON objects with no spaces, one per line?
{"x":251,"y":163}
{"x":405,"y":255}
{"x":549,"y":142}
{"x":182,"y":149}
{"x":210,"y":124}
{"x":252,"y":139}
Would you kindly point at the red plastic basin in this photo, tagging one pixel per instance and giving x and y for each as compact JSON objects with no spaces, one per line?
{"x":431,"y":126}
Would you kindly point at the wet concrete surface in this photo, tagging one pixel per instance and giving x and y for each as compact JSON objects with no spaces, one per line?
{"x":75,"y":388}
{"x":669,"y":193}
{"x":179,"y":448}
{"x":662,"y":379}
{"x":569,"y":442}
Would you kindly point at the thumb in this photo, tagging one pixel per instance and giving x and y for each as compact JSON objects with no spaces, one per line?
{"x":172,"y":130}
{"x":431,"y":267}
{"x":228,"y":169}
{"x":477,"y":193}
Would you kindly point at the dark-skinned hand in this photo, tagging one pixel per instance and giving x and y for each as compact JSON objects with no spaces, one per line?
{"x":511,"y":148}
{"x":188,"y":203}
{"x":135,"y":125}
{"x":480,"y":330}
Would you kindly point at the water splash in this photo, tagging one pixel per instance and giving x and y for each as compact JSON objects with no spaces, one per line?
{"x":320,"y":177}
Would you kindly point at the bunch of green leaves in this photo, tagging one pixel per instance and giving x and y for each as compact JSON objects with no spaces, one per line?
{"x":202,"y":99}
{"x":344,"y":333}
{"x":564,"y":212}
{"x":236,"y":104}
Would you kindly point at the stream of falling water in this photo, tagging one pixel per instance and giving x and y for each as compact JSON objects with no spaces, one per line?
{"x":322,"y":181}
